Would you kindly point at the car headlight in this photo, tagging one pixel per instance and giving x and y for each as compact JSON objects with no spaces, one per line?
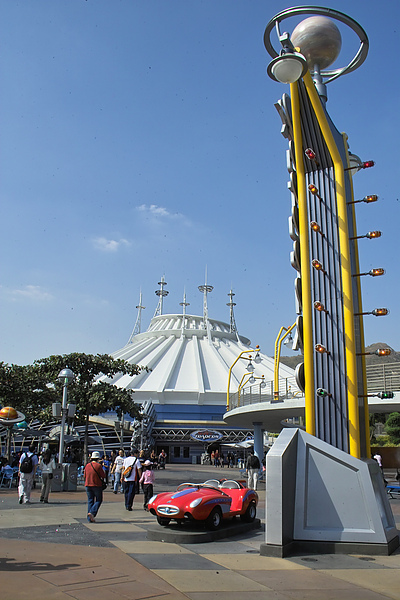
{"x":152,"y":498}
{"x":195,"y":503}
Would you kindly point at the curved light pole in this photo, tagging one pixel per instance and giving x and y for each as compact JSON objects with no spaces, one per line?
{"x":257,"y":359}
{"x":277,"y":356}
{"x":66,"y":376}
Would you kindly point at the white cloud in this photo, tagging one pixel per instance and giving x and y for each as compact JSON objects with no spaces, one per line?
{"x":158,"y":212}
{"x":105,"y":245}
{"x":30,"y":292}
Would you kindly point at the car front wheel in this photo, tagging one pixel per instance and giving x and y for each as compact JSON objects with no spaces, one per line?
{"x":250,"y":513}
{"x":163,"y":521}
{"x":214,"y":519}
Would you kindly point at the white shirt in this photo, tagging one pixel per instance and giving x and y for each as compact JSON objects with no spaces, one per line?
{"x":119,"y":463}
{"x":47,"y":468}
{"x":132,"y":460}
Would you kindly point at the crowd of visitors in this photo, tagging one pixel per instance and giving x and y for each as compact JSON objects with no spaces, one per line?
{"x":125,"y":474}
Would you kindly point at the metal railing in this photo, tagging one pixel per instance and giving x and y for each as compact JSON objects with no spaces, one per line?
{"x":255,"y":393}
{"x":379,"y":378}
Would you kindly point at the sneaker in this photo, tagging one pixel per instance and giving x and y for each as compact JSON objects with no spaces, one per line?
{"x":21,"y":498}
{"x":41,"y":500}
{"x":114,"y":492}
{"x":91,"y":518}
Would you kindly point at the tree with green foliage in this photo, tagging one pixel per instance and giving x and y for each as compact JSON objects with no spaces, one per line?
{"x":91,"y":396}
{"x":23,"y":388}
{"x":375,"y":418}
{"x":392,"y":427}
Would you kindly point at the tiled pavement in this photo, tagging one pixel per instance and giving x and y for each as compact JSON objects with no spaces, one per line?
{"x":52,"y":552}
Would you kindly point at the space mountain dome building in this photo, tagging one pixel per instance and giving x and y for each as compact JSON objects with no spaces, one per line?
{"x":183,"y":392}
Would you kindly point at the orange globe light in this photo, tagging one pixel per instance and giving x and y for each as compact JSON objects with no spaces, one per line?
{"x":8,"y":413}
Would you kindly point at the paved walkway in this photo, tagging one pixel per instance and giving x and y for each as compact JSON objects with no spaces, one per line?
{"x":52,"y":552}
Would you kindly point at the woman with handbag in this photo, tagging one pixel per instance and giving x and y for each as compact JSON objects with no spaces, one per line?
{"x":94,"y":483}
{"x":46,"y":465}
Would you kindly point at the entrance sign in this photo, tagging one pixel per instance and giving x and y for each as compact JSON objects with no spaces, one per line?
{"x":206,"y":435}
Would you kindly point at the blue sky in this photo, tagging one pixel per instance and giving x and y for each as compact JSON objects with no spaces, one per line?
{"x":139,"y":139}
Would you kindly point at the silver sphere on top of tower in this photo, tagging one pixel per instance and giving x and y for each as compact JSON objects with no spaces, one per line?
{"x":319,"y":41}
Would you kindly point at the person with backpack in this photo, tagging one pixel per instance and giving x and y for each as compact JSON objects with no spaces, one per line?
{"x":27,"y":468}
{"x":252,"y":468}
{"x":132,"y":472}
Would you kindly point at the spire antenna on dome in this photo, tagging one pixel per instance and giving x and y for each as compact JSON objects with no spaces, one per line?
{"x":184,"y":304}
{"x":231,"y":304}
{"x":138,"y":324}
{"x":206,"y":289}
{"x":161,"y":293}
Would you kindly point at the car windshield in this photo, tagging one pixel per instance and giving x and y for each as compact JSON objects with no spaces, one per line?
{"x":212,"y":483}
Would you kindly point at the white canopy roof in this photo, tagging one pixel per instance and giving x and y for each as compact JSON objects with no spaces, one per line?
{"x":189,"y":358}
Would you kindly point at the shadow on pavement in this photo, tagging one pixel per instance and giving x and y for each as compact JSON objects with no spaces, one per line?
{"x":9,"y":564}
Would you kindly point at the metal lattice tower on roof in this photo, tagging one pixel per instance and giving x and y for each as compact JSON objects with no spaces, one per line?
{"x":206,"y":289}
{"x":231,"y":304}
{"x":138,"y":324}
{"x":184,"y":304}
{"x":161,"y":293}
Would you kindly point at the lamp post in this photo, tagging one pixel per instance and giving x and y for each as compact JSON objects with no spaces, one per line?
{"x":66,"y":376}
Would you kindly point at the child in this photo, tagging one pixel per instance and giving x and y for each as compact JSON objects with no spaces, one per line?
{"x":147,"y":479}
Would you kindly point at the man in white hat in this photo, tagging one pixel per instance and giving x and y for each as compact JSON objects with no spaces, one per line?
{"x":94,"y":478}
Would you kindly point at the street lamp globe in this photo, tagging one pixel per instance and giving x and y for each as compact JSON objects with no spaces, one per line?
{"x":66,"y":374}
{"x":319,"y":41}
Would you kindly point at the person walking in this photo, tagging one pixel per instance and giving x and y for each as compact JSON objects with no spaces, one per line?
{"x":132,"y":471}
{"x":117,"y":471}
{"x":147,"y":480}
{"x":105,"y":463}
{"x":252,"y":468}
{"x":46,"y":464}
{"x":27,"y":468}
{"x":94,"y":478}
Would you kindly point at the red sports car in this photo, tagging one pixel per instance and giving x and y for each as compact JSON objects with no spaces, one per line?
{"x":209,"y":502}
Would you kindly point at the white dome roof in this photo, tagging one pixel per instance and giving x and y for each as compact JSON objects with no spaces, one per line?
{"x":189,"y":361}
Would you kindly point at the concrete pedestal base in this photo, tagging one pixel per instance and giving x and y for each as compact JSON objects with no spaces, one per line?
{"x":196,"y":534}
{"x":322,"y":500}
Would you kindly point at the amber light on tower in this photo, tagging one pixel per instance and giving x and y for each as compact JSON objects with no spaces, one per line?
{"x":383,"y":352}
{"x":378,"y":352}
{"x":370,"y":235}
{"x":315,"y":227}
{"x":367,"y":199}
{"x":317,"y":265}
{"x":377,"y":312}
{"x":321,"y":349}
{"x":376,"y":272}
{"x":319,"y":306}
{"x":372,"y":272}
